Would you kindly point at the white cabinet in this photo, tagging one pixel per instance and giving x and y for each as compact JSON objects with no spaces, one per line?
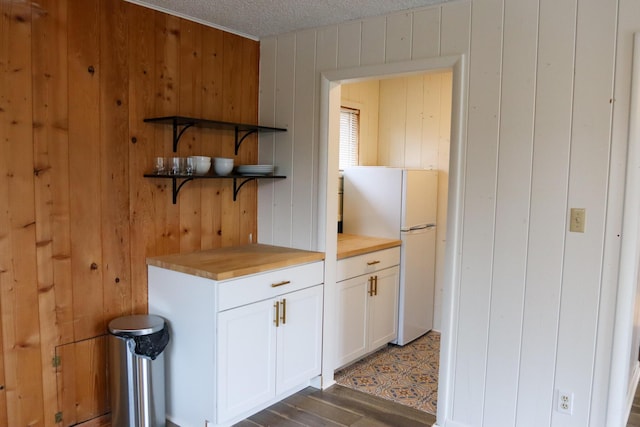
{"x":245,"y":358}
{"x":352,"y":319}
{"x":299,"y":338}
{"x":230,"y":355}
{"x":367,"y":306}
{"x":383,"y":308}
{"x":267,"y":348}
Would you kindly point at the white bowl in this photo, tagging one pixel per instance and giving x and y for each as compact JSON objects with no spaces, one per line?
{"x":201,"y":158}
{"x":222,"y":166}
{"x":202,"y":164}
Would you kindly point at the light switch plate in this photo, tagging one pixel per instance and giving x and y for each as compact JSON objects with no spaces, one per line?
{"x":577,"y":219}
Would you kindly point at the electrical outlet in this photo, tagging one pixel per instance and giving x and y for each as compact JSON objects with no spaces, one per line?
{"x":565,"y":402}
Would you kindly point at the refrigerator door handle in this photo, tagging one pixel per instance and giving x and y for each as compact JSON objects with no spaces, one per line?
{"x":419,"y":227}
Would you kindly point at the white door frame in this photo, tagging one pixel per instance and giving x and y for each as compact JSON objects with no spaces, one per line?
{"x":328,"y":207}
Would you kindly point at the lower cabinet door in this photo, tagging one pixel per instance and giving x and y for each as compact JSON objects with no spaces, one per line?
{"x":383,"y":308}
{"x":352,"y":318}
{"x":299,"y":342}
{"x":245,"y":358}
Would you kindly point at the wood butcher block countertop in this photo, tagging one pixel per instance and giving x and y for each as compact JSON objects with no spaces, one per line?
{"x":235,"y":261}
{"x":350,"y":244}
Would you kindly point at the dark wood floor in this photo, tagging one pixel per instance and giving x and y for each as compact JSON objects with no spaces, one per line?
{"x":634,"y":416}
{"x":337,"y":406}
{"x":341,"y":406}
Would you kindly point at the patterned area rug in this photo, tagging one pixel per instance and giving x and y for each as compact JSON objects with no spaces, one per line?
{"x":406,"y":375}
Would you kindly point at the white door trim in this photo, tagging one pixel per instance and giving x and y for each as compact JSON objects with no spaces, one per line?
{"x":327,"y":206}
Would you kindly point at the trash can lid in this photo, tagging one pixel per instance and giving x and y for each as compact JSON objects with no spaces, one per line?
{"x":136,"y":324}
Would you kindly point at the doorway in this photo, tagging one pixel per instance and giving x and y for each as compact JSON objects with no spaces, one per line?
{"x":405,"y":122}
{"x":402,"y":122}
{"x":331,"y":90}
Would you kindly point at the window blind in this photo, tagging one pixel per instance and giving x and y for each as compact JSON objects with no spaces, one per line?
{"x":349,"y":137}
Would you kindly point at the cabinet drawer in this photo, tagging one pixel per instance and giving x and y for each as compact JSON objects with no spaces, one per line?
{"x":367,"y":263}
{"x":257,"y":287}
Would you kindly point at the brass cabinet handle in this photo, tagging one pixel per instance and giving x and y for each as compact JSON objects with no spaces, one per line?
{"x":284,"y":311}
{"x":370,"y":286}
{"x":277,"y":319}
{"x":284,"y":282}
{"x":375,"y":282}
{"x":373,"y":262}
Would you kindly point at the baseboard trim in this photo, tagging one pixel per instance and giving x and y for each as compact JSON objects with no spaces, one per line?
{"x":327,"y":383}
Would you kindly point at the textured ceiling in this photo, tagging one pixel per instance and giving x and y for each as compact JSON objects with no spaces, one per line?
{"x":261,"y":18}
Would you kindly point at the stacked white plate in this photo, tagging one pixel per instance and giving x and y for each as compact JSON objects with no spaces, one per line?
{"x":255,"y":169}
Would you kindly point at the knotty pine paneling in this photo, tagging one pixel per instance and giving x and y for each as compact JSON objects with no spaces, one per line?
{"x":142,"y":147}
{"x":212,"y":106}
{"x":85,"y":208}
{"x":77,"y":77}
{"x":23,"y":382}
{"x":167,"y":45}
{"x":190,"y":101}
{"x":114,"y":172}
{"x":50,"y":141}
{"x":83,"y":384}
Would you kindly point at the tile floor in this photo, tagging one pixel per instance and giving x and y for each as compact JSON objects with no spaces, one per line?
{"x":407,"y":375}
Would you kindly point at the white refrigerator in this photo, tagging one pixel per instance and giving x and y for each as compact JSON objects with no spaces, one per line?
{"x":399,"y":204}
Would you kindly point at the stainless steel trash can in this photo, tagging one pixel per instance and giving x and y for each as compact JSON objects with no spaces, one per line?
{"x":136,"y":368}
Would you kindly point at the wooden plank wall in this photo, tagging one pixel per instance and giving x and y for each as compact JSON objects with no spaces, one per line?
{"x":78,"y":218}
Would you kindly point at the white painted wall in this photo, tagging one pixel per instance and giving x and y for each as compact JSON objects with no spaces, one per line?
{"x":545,"y":128}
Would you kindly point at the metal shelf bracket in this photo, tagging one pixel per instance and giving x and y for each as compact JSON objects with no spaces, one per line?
{"x":236,"y":188}
{"x":176,"y":187}
{"x":178,"y":134}
{"x":239,"y":139}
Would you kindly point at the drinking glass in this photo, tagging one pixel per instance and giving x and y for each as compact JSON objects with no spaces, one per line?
{"x":189,"y":165}
{"x":160,"y":166}
{"x":176,"y":165}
